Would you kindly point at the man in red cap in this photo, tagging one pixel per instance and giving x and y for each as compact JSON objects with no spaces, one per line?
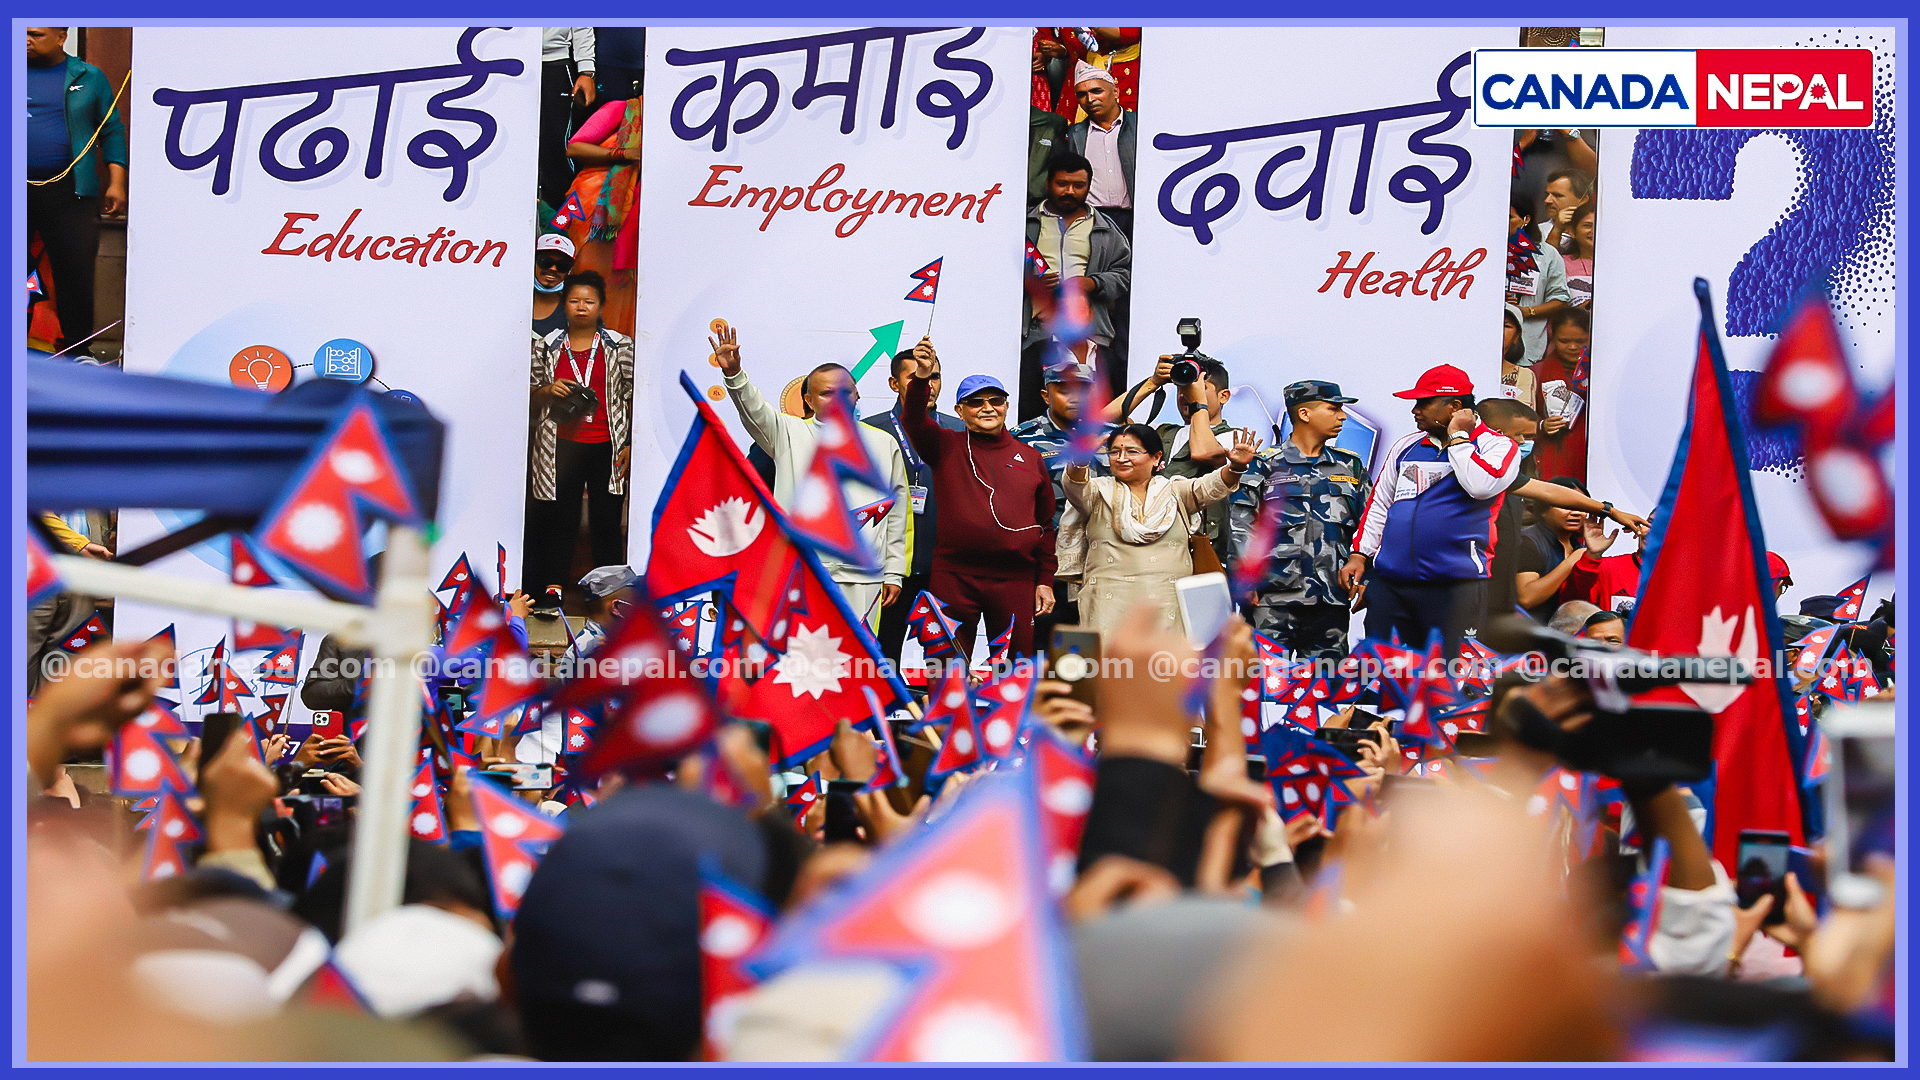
{"x":1781,"y":575}
{"x":1429,"y":524}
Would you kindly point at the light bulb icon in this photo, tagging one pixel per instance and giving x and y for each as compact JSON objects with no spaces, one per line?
{"x":260,"y":367}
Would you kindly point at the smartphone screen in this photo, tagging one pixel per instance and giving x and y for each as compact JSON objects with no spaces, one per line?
{"x":1074,"y":658}
{"x":1762,"y":859}
{"x":215,"y":728}
{"x":842,"y":820}
{"x":1206,"y":603}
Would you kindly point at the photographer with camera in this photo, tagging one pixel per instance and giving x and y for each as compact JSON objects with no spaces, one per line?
{"x":1197,"y":446}
{"x":582,"y":404}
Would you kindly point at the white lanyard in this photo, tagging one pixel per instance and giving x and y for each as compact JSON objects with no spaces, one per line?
{"x":593,"y":362}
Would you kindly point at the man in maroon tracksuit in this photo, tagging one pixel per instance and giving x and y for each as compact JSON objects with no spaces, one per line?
{"x":993,"y":550}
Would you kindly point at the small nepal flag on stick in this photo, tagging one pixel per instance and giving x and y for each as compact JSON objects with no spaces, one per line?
{"x":1852,"y":599}
{"x":734,"y":921}
{"x":139,"y":764}
{"x":514,"y":838}
{"x":316,"y":526}
{"x":1065,"y":778}
{"x":1004,"y":713}
{"x":571,"y":213}
{"x":935,"y":630}
{"x":928,"y":277}
{"x":428,"y":818}
{"x":88,"y":633}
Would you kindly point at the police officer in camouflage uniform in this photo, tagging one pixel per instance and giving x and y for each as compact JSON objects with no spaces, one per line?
{"x":1049,"y":433}
{"x":1300,"y":602}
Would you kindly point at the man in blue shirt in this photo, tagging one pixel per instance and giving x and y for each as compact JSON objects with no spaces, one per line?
{"x":1429,"y":524}
{"x":893,"y":618}
{"x":70,"y":111}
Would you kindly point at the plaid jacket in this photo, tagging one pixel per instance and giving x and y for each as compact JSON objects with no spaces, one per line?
{"x":544,"y":443}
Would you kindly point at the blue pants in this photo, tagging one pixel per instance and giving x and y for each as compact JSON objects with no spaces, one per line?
{"x":1417,"y":608}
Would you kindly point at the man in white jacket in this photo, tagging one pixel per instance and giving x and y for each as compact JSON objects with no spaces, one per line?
{"x":790,"y":441}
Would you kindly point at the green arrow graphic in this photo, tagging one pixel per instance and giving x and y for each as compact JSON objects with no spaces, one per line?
{"x":886,"y":342}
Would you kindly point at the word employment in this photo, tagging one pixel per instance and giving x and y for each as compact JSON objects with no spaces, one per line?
{"x":324,"y":149}
{"x":1412,"y":184}
{"x":824,"y":196}
{"x":939,"y":99}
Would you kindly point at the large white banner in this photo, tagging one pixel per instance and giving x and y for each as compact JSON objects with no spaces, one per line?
{"x":1319,"y":198}
{"x":1758,"y":214}
{"x":794,"y":181}
{"x":348,"y":202}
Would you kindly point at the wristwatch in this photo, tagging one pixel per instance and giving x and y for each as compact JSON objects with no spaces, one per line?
{"x":1607,"y":509}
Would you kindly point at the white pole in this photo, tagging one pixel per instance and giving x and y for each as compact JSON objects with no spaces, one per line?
{"x":351,"y":623}
{"x":402,"y":630}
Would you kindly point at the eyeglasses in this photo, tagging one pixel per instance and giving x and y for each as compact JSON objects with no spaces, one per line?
{"x":619,"y":608}
{"x":1128,"y":452}
{"x":551,"y":263}
{"x":981,"y":403}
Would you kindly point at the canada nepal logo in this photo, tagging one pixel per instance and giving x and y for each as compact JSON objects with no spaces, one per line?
{"x":1593,"y":88}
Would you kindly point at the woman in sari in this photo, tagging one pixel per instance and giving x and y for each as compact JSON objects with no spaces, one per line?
{"x":601,"y":214}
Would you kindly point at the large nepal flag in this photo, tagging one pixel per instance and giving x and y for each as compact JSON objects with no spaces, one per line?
{"x":961,"y":909}
{"x":794,"y":654}
{"x":1705,"y":589}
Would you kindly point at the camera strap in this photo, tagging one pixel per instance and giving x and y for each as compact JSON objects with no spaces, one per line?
{"x":593,"y":362}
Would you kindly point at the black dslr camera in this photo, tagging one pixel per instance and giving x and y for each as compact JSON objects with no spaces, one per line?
{"x":1186,"y":366}
{"x":578,"y":402}
{"x":1657,"y":743}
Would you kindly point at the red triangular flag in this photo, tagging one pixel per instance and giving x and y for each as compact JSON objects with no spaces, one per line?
{"x":733,"y":923}
{"x":514,"y":838}
{"x":1706,"y":590}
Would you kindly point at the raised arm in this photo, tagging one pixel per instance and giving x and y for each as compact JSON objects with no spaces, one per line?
{"x":757,"y":414}
{"x":916,"y":418}
{"x":1571,"y":499}
{"x":1483,"y":459}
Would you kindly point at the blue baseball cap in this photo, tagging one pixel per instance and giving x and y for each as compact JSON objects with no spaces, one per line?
{"x":974,"y":384}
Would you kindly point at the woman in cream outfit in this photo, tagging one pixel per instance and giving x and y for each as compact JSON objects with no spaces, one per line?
{"x":1137,"y":523}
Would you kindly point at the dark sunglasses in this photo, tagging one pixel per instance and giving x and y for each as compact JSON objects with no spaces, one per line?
{"x":553,"y":262}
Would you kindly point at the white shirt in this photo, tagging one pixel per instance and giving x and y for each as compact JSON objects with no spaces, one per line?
{"x":790,"y":441}
{"x":1107,"y":187}
{"x":568,"y":42}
